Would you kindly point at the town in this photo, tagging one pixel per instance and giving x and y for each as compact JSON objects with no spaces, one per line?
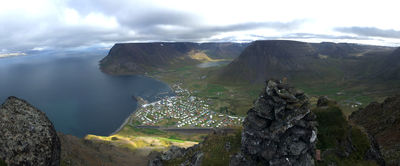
{"x":183,"y":110}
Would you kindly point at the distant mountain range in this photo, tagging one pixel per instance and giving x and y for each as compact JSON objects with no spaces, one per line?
{"x":138,"y":58}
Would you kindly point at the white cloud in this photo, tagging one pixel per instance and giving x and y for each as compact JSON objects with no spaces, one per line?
{"x":28,"y":24}
{"x":12,"y":54}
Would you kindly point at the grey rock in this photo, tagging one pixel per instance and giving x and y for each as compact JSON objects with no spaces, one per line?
{"x":194,"y":152}
{"x":279,"y":130}
{"x":173,"y":153}
{"x":27,"y":135}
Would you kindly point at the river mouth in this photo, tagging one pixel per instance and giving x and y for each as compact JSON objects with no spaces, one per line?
{"x":76,"y":96}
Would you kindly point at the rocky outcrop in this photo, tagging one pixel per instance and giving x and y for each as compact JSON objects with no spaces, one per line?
{"x":195,"y":156}
{"x":382,"y":122}
{"x":27,"y":135}
{"x":279,"y":130}
{"x":224,"y":142}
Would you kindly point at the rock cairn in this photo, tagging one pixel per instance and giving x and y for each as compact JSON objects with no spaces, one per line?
{"x":279,"y":130}
{"x":27,"y":137}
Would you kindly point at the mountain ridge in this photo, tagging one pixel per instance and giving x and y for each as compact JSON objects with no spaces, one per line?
{"x":139,"y":58}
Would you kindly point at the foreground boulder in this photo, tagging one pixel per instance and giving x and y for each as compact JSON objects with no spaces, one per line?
{"x":27,"y":137}
{"x":279,"y":130}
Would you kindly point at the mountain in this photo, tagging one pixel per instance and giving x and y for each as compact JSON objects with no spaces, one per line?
{"x":382,"y":122}
{"x":390,"y":68}
{"x":274,"y":58}
{"x":301,"y":61}
{"x":138,"y":58}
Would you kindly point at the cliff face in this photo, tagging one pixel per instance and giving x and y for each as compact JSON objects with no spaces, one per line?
{"x":27,"y":135}
{"x":382,"y":122}
{"x":279,"y":130}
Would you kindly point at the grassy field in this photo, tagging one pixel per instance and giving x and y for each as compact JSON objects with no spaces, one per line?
{"x":135,"y":138}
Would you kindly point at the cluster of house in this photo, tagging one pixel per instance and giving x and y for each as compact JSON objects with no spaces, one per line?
{"x":183,"y":110}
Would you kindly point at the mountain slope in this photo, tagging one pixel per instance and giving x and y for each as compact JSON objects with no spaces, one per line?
{"x":390,"y":68}
{"x":138,"y":58}
{"x":303,"y":61}
{"x":271,"y":59}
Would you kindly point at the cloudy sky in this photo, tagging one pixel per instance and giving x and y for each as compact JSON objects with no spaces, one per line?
{"x":49,"y":24}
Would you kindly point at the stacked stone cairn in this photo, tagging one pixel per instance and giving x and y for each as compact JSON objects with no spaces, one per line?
{"x":279,"y":130}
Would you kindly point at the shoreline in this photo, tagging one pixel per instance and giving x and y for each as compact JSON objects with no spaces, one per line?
{"x":140,"y":102}
{"x":125,"y":122}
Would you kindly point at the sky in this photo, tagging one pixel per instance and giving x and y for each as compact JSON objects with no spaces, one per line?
{"x":51,"y":24}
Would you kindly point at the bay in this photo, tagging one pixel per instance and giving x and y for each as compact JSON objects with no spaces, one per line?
{"x":76,"y":96}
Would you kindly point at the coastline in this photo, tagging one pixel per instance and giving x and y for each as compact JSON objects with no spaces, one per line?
{"x":125,"y":122}
{"x":140,"y":102}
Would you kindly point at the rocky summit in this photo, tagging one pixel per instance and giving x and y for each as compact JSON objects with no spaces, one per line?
{"x":279,"y":130}
{"x":27,"y":135}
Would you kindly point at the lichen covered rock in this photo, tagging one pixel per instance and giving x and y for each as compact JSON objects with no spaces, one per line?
{"x":279,"y":130}
{"x":27,"y":137}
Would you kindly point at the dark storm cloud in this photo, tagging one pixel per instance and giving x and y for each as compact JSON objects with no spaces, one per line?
{"x":370,"y":32}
